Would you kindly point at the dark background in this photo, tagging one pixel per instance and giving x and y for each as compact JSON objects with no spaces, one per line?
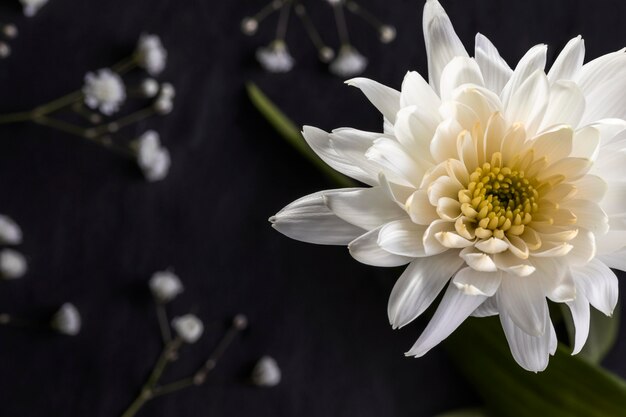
{"x":95,"y":230}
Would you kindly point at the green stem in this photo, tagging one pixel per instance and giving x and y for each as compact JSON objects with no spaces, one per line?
{"x":125,"y":65}
{"x":147,"y":391}
{"x":15,"y":117}
{"x":61,"y":125}
{"x":173,"y":387}
{"x":116,"y":125}
{"x":57,"y":104}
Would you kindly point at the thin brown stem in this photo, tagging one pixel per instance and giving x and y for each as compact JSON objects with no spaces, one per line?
{"x":164,"y":325}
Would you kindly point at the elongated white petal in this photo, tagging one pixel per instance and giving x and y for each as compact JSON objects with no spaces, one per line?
{"x":455,"y":307}
{"x":308,"y":219}
{"x":569,"y":62}
{"x":530,"y":352}
{"x":367,"y":208}
{"x":443,"y":144}
{"x":414,"y":132}
{"x":417,"y":92}
{"x":589,"y":215}
{"x":487,"y":309}
{"x":419,"y":285}
{"x":586,"y":143}
{"x":566,"y":105}
{"x":402,"y":237}
{"x":599,"y":285}
{"x":322,"y":144}
{"x":495,"y":70}
{"x":478,"y":260}
{"x":524,"y":301}
{"x":533,"y":60}
{"x":397,"y":164}
{"x":616,"y":260}
{"x":385,"y":99}
{"x":614,"y":202}
{"x":459,"y":71}
{"x":492,"y":245}
{"x":528,"y":103}
{"x":442,"y":43}
{"x":594,"y":73}
{"x":365,"y":249}
{"x":581,"y":316}
{"x":473,"y":282}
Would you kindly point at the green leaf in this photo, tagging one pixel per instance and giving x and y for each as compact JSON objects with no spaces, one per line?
{"x":603,"y":333}
{"x":570,"y":387}
{"x":292,"y":135}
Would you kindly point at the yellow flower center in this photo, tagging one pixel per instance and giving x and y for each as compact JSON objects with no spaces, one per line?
{"x":498,"y":199}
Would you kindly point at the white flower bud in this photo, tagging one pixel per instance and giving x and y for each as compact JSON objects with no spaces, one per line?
{"x":104,"y":91}
{"x":168,"y":90}
{"x":67,"y":320}
{"x":151,"y":55}
{"x":31,"y":7}
{"x":10,"y":31}
{"x":163,"y":105}
{"x":266,"y":372}
{"x":153,"y":159}
{"x":12,"y":264}
{"x":10,"y":232}
{"x":387,"y":33}
{"x":188,"y":327}
{"x":149,"y":87}
{"x":165,"y":286}
{"x":326,"y":54}
{"x":249,"y":25}
{"x":275,"y":57}
{"x":5,"y":50}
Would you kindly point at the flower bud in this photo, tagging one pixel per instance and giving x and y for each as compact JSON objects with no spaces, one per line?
{"x":266,"y":372}
{"x":67,"y":320}
{"x":12,"y":264}
{"x":165,"y":286}
{"x":188,"y":327}
{"x":10,"y":232}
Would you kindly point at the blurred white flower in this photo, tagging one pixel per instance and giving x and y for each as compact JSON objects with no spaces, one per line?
{"x":67,"y":320}
{"x":10,"y":232}
{"x":165,"y":286}
{"x":275,"y":57}
{"x":505,"y":186}
{"x":31,"y":7}
{"x":153,"y":159}
{"x":165,"y":101}
{"x":104,"y":91}
{"x":266,"y":372}
{"x":149,"y":87}
{"x":349,"y":62}
{"x":151,"y":55}
{"x":12,"y":264}
{"x":188,"y":327}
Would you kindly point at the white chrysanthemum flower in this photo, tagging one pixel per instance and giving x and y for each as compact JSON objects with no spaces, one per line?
{"x":349,"y":62}
{"x":506,"y":186}
{"x":12,"y":264}
{"x":153,"y":159}
{"x":10,"y":232}
{"x":266,"y":372}
{"x":104,"y":91}
{"x":67,"y":320}
{"x":275,"y":57}
{"x":31,"y":7}
{"x":151,"y":55}
{"x":188,"y":327}
{"x":165,"y":286}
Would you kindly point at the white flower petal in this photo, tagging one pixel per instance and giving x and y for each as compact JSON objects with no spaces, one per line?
{"x":569,"y":62}
{"x":417,"y":92}
{"x":397,"y":164}
{"x":599,"y":284}
{"x":420,"y":209}
{"x":413,"y":132}
{"x":508,"y":262}
{"x":487,"y":309}
{"x":385,"y":99}
{"x":473,"y":282}
{"x":454,"y":308}
{"x":588,"y":215}
{"x":566,"y":105}
{"x":366,"y":250}
{"x":459,"y":71}
{"x":443,"y":144}
{"x":524,"y":301}
{"x":581,"y":316}
{"x":402,"y":237}
{"x":492,"y":245}
{"x":530,"y":352}
{"x":528,"y":103}
{"x":478,"y":260}
{"x":616,"y":260}
{"x":442,"y":42}
{"x":367,"y":208}
{"x":586,"y":143}
{"x":533,"y":60}
{"x":495,"y":70}
{"x":308,"y":219}
{"x":419,"y":285}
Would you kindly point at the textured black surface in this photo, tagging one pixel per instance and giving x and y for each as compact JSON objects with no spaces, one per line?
{"x":95,"y":230}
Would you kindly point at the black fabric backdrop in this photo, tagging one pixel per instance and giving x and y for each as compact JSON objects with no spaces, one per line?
{"x":95,"y":230}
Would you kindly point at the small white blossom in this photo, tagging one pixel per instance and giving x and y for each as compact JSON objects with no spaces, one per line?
{"x":153,"y":159}
{"x":12,"y":264}
{"x":168,"y":91}
{"x":151,"y":55}
{"x":164,"y":102}
{"x":266,"y":372}
{"x":188,"y":327}
{"x":67,"y":320}
{"x":165,"y":286}
{"x":349,"y":62}
{"x":275,"y":57}
{"x":104,"y":91}
{"x":31,"y":7}
{"x":5,"y":50}
{"x":334,"y":2}
{"x":149,"y":87}
{"x":10,"y":232}
{"x":249,"y":25}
